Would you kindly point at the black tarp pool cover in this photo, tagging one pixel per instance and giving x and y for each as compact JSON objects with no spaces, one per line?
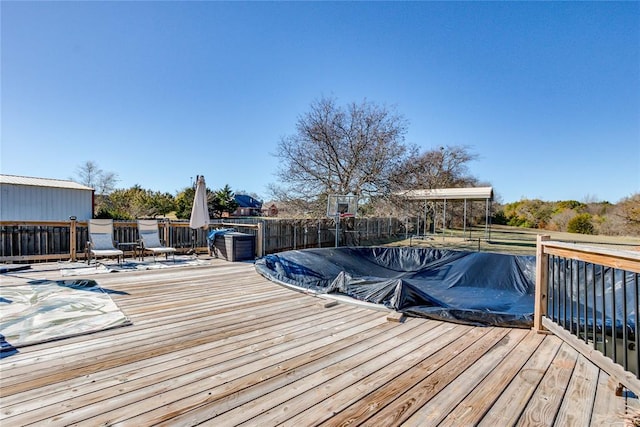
{"x":466,"y":287}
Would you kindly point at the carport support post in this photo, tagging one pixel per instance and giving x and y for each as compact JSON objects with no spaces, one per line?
{"x":444,"y":218}
{"x":406,"y":226}
{"x":424,"y":233}
{"x":486,"y":220}
{"x":464,"y":223}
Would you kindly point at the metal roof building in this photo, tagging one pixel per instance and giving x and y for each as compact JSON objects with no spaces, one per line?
{"x":25,"y":198}
{"x":469,"y":194}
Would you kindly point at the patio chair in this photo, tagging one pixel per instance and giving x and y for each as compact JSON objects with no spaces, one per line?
{"x":101,"y":244}
{"x":150,"y":239}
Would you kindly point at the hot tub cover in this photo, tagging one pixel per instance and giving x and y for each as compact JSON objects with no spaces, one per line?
{"x":466,"y":287}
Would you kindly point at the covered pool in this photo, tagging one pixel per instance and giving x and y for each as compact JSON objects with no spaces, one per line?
{"x":466,"y":287}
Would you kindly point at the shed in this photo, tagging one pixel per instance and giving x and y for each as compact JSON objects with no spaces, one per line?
{"x":25,"y":198}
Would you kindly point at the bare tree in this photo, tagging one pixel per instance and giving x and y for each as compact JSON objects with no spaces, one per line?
{"x":341,"y":150}
{"x":443,"y":167}
{"x":446,"y":167}
{"x":107,"y":182}
{"x":90,"y":174}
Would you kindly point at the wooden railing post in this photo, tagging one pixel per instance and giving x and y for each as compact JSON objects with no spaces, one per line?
{"x":259,"y":241}
{"x":166,"y":232}
{"x":72,"y":238}
{"x":542,"y":268}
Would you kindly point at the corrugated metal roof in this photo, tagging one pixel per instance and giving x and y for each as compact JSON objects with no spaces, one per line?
{"x":41,"y":182}
{"x":472,"y":193}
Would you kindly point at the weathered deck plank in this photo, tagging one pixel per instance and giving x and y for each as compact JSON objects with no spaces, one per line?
{"x":218,"y":344}
{"x":513,"y":399}
{"x":494,"y":378}
{"x":606,"y":401}
{"x":346,"y":391}
{"x":581,"y":391}
{"x":321,"y":384}
{"x":546,"y":400}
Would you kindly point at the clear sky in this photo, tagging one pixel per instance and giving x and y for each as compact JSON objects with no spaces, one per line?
{"x":546,"y":93}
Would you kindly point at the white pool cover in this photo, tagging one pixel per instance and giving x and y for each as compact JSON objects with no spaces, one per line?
{"x":46,"y":310}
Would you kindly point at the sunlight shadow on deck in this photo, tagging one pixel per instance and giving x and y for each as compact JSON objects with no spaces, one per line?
{"x":82,"y":269}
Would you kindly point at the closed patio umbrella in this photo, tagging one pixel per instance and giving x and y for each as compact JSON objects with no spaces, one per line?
{"x":200,"y":210}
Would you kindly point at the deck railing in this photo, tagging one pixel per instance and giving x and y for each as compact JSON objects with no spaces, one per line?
{"x":589,"y":296}
{"x":28,"y":241}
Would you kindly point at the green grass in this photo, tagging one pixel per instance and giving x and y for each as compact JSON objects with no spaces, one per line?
{"x":512,"y":240}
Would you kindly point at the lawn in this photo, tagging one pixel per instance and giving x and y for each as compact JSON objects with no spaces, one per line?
{"x":512,"y":240}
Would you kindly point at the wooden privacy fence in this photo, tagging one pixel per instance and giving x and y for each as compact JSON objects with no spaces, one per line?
{"x":26,"y":241}
{"x":316,"y":233}
{"x":589,"y":297}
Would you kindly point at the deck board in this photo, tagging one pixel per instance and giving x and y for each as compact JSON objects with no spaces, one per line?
{"x":495,"y":377}
{"x":513,"y":399}
{"x":218,"y":344}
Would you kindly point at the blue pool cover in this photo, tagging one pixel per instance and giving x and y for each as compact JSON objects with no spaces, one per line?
{"x":466,"y":287}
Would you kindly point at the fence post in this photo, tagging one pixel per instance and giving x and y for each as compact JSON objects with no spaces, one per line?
{"x":165,"y":233}
{"x":260,"y":240}
{"x":542,"y":269}
{"x":72,"y":238}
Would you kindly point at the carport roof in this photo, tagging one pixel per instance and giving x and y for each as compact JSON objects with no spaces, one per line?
{"x":471,"y":193}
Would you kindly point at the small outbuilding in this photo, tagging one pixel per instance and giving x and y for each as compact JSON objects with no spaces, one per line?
{"x":25,"y":198}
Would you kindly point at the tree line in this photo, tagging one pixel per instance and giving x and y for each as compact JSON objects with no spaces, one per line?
{"x":137,"y":202}
{"x":622,"y":218}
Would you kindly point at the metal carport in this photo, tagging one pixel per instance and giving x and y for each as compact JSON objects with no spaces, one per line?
{"x":445,"y":194}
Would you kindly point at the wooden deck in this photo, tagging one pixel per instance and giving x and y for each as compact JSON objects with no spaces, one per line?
{"x":220,"y":345}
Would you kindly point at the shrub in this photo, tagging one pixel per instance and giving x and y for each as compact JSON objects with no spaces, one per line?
{"x":568,"y":205}
{"x":499,"y":218}
{"x":581,"y":224}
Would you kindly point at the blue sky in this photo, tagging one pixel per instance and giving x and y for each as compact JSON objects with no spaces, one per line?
{"x":547,"y":94}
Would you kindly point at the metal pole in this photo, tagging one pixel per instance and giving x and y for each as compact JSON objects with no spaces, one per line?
{"x":406,"y":222}
{"x":337,"y":228}
{"x":425,"y":219}
{"x":444,"y":218}
{"x":486,"y":219}
{"x":471,"y":214}
{"x":464,"y":224}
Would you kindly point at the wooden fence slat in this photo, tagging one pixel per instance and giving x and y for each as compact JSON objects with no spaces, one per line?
{"x":23,"y":241}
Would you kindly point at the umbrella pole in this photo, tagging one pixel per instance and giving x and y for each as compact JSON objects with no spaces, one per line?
{"x":192,"y":250}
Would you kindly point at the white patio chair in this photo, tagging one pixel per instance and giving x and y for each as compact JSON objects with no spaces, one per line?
{"x":150,"y":239}
{"x":101,"y":244}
